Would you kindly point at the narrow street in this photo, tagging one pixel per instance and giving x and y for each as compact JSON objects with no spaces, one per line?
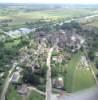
{"x":49,"y":83}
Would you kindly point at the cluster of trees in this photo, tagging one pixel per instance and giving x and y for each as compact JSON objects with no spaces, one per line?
{"x":96,"y":65}
{"x":34,"y":78}
{"x":6,"y":21}
{"x":39,"y":23}
{"x":29,"y":77}
{"x":9,"y":50}
{"x":71,"y":25}
{"x":6,"y":54}
{"x":91,"y":55}
{"x":45,"y":29}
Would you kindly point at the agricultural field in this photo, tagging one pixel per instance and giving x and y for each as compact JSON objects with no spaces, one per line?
{"x":78,"y":78}
{"x":55,"y":13}
{"x":19,"y":18}
{"x":82,"y":79}
{"x":70,"y":71}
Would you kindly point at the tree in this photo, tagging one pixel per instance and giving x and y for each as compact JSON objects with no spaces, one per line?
{"x":57,"y":27}
{"x":96,"y":63}
{"x":70,"y":25}
{"x":97,"y":75}
{"x":29,"y":77}
{"x":66,"y":26}
{"x":75,"y":25}
{"x":43,"y":71}
{"x":54,"y":71}
{"x":24,"y":40}
{"x":91,"y":55}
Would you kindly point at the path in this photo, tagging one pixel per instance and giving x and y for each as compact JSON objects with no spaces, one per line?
{"x":48,"y":83}
{"x":37,"y":90}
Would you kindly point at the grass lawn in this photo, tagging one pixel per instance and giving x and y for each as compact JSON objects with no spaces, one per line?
{"x":76,"y":78}
{"x":70,"y":71}
{"x":82,"y":79}
{"x":35,"y":96}
{"x":13,"y":95}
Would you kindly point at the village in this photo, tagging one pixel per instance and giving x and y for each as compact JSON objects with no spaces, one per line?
{"x":47,"y":58}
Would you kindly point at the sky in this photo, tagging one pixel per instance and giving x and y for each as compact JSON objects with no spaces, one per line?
{"x":52,"y":1}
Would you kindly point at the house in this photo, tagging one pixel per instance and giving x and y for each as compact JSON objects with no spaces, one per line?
{"x":18,"y":69}
{"x":58,"y":59}
{"x":35,"y":67}
{"x":15,"y":77}
{"x":84,"y":61}
{"x":58,"y":83}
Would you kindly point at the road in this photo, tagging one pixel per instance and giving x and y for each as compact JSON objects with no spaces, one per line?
{"x":37,"y":90}
{"x":90,"y":94}
{"x":49,"y":83}
{"x":7,"y":82}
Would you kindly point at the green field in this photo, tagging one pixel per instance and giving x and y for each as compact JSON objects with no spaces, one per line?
{"x":82,"y":79}
{"x":12,"y":43}
{"x":77,"y":79}
{"x":44,"y":13}
{"x":70,"y":71}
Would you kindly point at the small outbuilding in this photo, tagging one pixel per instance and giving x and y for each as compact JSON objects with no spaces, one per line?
{"x":58,"y":83}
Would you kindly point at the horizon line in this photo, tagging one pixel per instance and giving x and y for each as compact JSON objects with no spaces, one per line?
{"x":49,"y":3}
